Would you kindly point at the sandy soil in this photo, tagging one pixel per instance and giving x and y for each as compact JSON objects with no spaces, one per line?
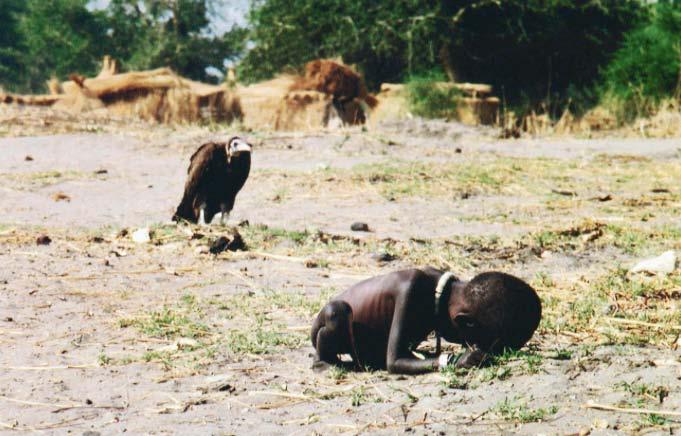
{"x":77,"y":355}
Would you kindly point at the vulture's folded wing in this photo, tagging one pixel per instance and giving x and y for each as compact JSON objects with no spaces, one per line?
{"x":198,"y":171}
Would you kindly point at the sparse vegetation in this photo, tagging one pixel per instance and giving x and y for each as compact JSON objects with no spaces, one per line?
{"x":428,"y":97}
{"x":228,"y":335}
{"x":647,"y":67}
{"x":358,"y":397}
{"x":166,"y":323}
{"x":262,"y":338}
{"x":521,"y":413}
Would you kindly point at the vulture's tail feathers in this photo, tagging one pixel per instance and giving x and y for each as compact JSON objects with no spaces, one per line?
{"x":184,"y":212}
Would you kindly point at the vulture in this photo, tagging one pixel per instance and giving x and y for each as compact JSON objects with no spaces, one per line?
{"x":216,"y":173}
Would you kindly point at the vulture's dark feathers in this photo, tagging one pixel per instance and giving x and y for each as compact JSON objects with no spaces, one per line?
{"x":216,"y":173}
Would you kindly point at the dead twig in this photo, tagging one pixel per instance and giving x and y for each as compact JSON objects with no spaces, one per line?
{"x":287,"y":395}
{"x":48,"y":368}
{"x":59,"y":407}
{"x":9,"y":426}
{"x":644,"y":323}
{"x":631,"y":410}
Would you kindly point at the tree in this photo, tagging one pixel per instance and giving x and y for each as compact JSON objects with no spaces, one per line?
{"x":12,"y":67}
{"x":61,"y":37}
{"x":175,"y":33}
{"x":533,"y":51}
{"x":386,"y":39}
{"x":539,"y":52}
{"x":647,"y":67}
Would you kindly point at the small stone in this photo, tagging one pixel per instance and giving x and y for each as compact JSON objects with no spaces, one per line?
{"x":43,"y":240}
{"x":60,"y":196}
{"x":383,"y":257}
{"x":28,"y":158}
{"x":310,"y":263}
{"x":664,"y":263}
{"x":457,"y":150}
{"x":232,"y":242}
{"x":141,"y":236}
{"x":359,"y":227}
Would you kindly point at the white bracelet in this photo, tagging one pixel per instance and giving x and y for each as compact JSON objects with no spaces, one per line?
{"x":443,"y":360}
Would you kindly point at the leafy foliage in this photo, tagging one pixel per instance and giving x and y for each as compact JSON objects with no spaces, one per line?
{"x":428,"y":98}
{"x":43,"y":38}
{"x":169,"y":33}
{"x":11,"y":43}
{"x":647,"y":67}
{"x":386,"y":39}
{"x":533,"y":52}
{"x":538,"y":52}
{"x":59,"y":37}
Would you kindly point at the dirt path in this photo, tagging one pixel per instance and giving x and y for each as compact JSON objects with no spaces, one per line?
{"x":99,"y":333}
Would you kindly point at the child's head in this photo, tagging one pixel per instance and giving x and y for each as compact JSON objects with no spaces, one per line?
{"x":495,"y":311}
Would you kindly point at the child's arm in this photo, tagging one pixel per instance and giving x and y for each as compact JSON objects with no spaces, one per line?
{"x":399,"y":359}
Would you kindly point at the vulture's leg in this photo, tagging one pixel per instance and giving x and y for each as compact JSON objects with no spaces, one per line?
{"x":224,"y":214}
{"x":202,"y":215}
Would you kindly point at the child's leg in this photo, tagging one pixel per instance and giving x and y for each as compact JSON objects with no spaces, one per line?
{"x":332,"y":334}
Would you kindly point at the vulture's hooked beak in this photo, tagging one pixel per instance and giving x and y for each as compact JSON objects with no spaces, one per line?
{"x":239,"y":146}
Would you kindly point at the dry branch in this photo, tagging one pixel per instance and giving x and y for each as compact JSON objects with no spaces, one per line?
{"x":631,"y":410}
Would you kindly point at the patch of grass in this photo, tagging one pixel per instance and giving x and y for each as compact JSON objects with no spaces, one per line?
{"x":260,"y":339}
{"x":487,"y":374}
{"x":655,"y":420}
{"x":103,"y":359}
{"x":400,"y":179}
{"x":627,"y":238}
{"x":338,"y":373}
{"x":617,"y":306}
{"x":262,"y":233}
{"x":44,"y":178}
{"x":358,"y":396}
{"x":561,"y":354}
{"x":454,"y":377}
{"x":521,"y":413}
{"x":431,"y":96}
{"x":166,"y":323}
{"x":164,"y":358}
{"x":543,"y":280}
{"x":644,"y":393}
{"x":533,"y":363}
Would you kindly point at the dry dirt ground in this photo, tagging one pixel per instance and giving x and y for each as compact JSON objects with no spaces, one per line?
{"x":100,"y":333}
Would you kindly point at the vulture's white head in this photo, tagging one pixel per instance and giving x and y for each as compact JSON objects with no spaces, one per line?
{"x":237,"y":146}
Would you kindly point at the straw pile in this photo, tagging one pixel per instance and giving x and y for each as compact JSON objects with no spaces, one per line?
{"x":157,"y":95}
{"x":328,"y":95}
{"x":476,"y":105}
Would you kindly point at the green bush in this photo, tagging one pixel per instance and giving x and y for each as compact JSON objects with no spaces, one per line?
{"x":647,"y":68}
{"x":539,"y":54}
{"x":428,"y":98}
